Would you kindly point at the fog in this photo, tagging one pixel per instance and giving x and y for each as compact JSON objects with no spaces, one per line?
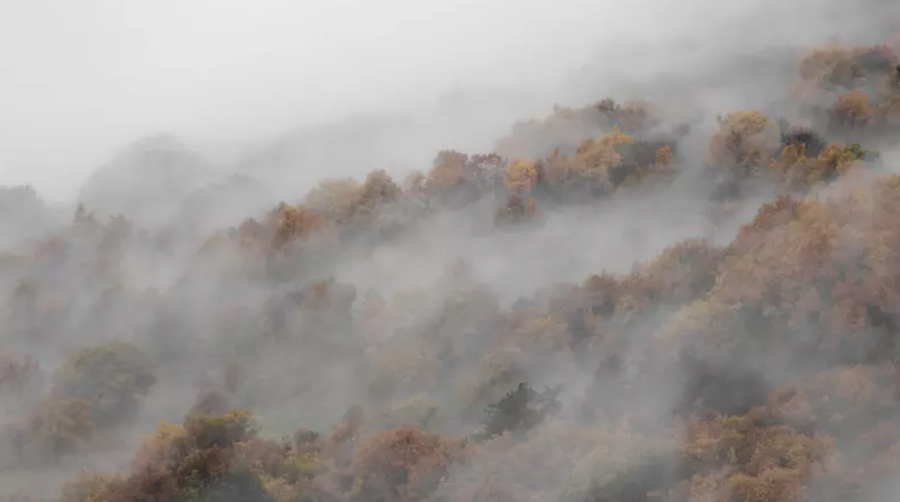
{"x":90,"y":77}
{"x":160,"y":137}
{"x":87,"y":78}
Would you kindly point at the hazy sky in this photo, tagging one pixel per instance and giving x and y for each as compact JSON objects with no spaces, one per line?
{"x":82,"y":78}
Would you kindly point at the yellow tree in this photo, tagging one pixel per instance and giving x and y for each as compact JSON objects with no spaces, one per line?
{"x":404,"y":463}
{"x":745,"y":139}
{"x":448,"y":169}
{"x":295,"y":223}
{"x":60,"y":426}
{"x":335,"y":199}
{"x":521,"y":176}
{"x":379,"y":188}
{"x":853,"y":109}
{"x":888,"y":112}
{"x":597,"y":156}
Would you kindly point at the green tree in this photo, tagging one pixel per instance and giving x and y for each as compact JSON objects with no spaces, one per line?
{"x":518,"y":411}
{"x":113,"y":377}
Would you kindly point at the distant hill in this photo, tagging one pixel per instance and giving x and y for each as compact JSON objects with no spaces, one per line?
{"x":147,"y":181}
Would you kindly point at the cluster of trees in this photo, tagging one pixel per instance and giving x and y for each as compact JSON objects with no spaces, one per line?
{"x":763,"y":370}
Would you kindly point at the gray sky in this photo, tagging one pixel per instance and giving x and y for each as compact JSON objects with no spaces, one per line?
{"x":82,"y":78}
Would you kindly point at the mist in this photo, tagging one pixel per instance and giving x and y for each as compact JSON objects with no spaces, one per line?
{"x":372,"y":225}
{"x":224,"y":75}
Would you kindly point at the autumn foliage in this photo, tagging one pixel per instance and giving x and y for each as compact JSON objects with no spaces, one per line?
{"x":763,"y":366}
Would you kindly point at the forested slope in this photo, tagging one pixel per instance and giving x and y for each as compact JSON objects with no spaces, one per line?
{"x":317,"y":353}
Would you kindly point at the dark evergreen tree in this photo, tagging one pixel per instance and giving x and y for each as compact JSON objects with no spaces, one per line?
{"x":518,"y":411}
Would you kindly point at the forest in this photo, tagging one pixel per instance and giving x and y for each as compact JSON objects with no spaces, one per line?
{"x":756,"y":358}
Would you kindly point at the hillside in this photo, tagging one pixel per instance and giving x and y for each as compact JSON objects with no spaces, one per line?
{"x":620,"y":302}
